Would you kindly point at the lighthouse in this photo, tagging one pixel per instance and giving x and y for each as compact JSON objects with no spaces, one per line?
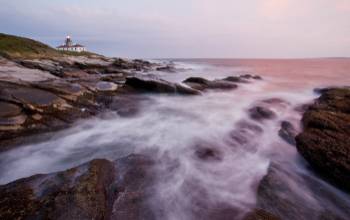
{"x":69,"y":46}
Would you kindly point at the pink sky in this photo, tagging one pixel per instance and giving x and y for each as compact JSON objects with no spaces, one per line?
{"x":188,"y":28}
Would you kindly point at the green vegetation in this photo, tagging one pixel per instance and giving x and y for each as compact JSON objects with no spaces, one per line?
{"x":20,"y":47}
{"x":24,"y":48}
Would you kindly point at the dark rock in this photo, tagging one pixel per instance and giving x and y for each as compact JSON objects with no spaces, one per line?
{"x":243,"y":136}
{"x":158,"y":86}
{"x":325,"y":140}
{"x":287,"y":132}
{"x":302,"y":108}
{"x":133,"y":188}
{"x":236,"y":79}
{"x":260,"y":214}
{"x":261,"y":113}
{"x":9,"y":110}
{"x":78,"y":193}
{"x":99,"y":189}
{"x":133,"y":65}
{"x":249,"y":76}
{"x":290,"y":196}
{"x":208,"y":154}
{"x":167,"y":68}
{"x":275,"y":101}
{"x":203,"y":84}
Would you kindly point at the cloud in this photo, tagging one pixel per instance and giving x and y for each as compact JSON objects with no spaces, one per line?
{"x":343,"y":5}
{"x":187,"y":28}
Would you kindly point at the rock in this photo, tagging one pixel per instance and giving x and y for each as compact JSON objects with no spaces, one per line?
{"x":203,"y":84}
{"x":36,"y":99}
{"x":99,"y":189}
{"x":78,"y":193}
{"x":44,"y":65}
{"x":106,"y":86}
{"x":11,"y":116}
{"x":9,"y":110}
{"x":289,"y":195}
{"x":287,"y":132}
{"x":249,"y":76}
{"x":302,"y":108}
{"x":159,"y":86}
{"x":260,"y":214}
{"x":325,"y":140}
{"x":167,"y":68}
{"x":261,"y":113}
{"x":134,"y":188}
{"x":236,"y":79}
{"x":208,"y":153}
{"x":243,"y":136}
{"x":137,"y":65}
{"x":128,"y":105}
{"x":12,"y":121}
{"x":11,"y":71}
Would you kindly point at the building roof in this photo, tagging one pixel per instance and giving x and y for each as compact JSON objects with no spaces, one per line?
{"x":65,"y":46}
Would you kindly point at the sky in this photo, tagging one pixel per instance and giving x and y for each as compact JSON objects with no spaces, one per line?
{"x":187,"y":28}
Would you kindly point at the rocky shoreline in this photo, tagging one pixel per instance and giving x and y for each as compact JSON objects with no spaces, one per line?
{"x":45,"y":95}
{"x":39,"y":96}
{"x":325,"y":141}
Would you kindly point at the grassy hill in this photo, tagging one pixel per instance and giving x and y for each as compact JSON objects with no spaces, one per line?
{"x":20,"y":47}
{"x":24,"y":48}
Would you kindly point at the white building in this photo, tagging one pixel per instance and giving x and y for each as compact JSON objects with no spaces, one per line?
{"x":69,"y":46}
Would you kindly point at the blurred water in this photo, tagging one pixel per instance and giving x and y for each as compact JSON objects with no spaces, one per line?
{"x":175,"y":128}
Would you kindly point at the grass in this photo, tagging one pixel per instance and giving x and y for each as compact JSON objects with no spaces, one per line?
{"x":15,"y":47}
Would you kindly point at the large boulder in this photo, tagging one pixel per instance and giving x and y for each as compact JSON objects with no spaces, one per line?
{"x":325,"y":140}
{"x":99,"y":189}
{"x":159,"y":86}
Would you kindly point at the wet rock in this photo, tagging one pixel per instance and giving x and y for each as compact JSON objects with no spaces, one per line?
{"x":128,"y":105}
{"x":167,"y":68}
{"x":249,"y":76}
{"x":159,"y":86}
{"x":261,"y":113}
{"x":236,"y":79}
{"x":203,"y":84}
{"x":79,"y":193}
{"x":275,"y":101}
{"x":302,"y":108}
{"x":288,"y":132}
{"x":324,"y":142}
{"x":260,"y":214}
{"x":99,"y":189}
{"x":244,"y":136}
{"x":289,"y":195}
{"x":208,"y":154}
{"x":133,"y":188}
